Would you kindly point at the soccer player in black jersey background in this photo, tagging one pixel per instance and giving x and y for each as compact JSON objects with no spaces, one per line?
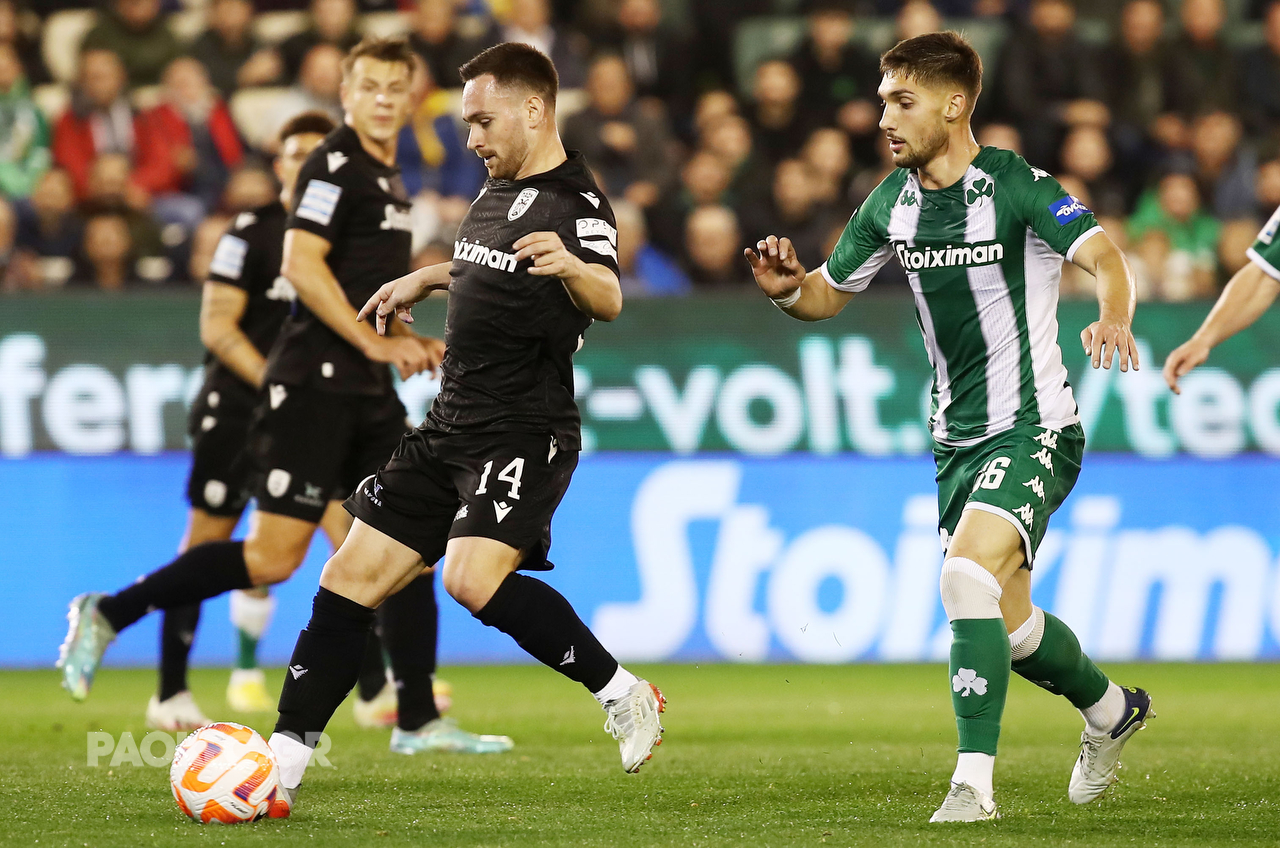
{"x":329,"y":415}
{"x":477,"y":483}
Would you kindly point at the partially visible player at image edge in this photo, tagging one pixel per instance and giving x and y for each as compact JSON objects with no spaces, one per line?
{"x":535,"y":262}
{"x":982,"y":235}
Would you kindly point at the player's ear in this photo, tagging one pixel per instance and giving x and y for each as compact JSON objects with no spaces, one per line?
{"x":535,"y":109}
{"x":956,"y":105}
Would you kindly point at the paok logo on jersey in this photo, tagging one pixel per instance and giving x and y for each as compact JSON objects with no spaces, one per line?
{"x":951,"y":256}
{"x":480,"y":255}
{"x":522,"y":203}
{"x":1067,"y":209}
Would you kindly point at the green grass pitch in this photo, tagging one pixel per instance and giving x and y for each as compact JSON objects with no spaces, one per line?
{"x":754,"y":755}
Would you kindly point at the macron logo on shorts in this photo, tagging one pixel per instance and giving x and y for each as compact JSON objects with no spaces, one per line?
{"x":319,"y":202}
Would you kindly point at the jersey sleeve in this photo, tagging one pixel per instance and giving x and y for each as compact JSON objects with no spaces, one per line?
{"x":323,"y":196}
{"x":232,"y":258}
{"x":591,"y":233}
{"x":1265,"y":251}
{"x":1060,"y":219}
{"x":863,"y":247}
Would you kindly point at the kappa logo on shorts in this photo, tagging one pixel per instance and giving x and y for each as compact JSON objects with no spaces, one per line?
{"x":523,"y":201}
{"x":215,"y":493}
{"x":276,"y":395}
{"x":501,"y":510}
{"x":278,"y":482}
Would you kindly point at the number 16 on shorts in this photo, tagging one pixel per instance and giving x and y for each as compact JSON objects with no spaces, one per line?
{"x":992,"y":474}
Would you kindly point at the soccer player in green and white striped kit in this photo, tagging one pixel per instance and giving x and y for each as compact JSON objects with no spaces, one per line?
{"x":982,"y":235}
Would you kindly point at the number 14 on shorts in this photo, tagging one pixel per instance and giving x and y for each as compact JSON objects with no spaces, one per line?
{"x":511,"y":474}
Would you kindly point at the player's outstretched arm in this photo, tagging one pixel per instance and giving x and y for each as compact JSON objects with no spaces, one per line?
{"x":305,"y":267}
{"x":780,"y":275}
{"x":1248,"y":295}
{"x":592,"y":287}
{"x":398,"y":296}
{"x":1110,"y":335}
{"x":221,"y":308}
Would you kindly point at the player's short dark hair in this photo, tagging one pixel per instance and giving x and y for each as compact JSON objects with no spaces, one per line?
{"x":381,"y":49}
{"x":304,"y":123}
{"x":513,"y":63}
{"x":937,"y":58}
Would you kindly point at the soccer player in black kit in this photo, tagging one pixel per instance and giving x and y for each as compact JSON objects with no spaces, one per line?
{"x":329,"y":415}
{"x":477,"y":483}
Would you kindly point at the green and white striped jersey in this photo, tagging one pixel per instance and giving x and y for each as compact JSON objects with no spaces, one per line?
{"x":1265,"y":251}
{"x":984,"y":258}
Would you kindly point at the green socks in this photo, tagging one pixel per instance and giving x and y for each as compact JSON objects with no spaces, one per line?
{"x":979,"y":681}
{"x":248,"y":653}
{"x":1058,"y":665}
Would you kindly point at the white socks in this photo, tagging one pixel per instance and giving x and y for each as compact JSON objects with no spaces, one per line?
{"x":617,"y":686}
{"x":1024,"y":641}
{"x":292,"y":756}
{"x":976,"y":770}
{"x":251,"y":613}
{"x":1105,"y":714}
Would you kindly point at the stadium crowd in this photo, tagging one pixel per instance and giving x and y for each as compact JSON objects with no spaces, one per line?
{"x":133,"y":131}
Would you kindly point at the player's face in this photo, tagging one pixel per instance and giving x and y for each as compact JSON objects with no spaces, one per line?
{"x":500,"y":125}
{"x":376,"y":98}
{"x":913,"y":121}
{"x":293,"y":153}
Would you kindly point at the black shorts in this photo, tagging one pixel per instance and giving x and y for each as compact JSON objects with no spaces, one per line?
{"x":501,"y":486}
{"x":222,"y":475}
{"x":310,"y":446}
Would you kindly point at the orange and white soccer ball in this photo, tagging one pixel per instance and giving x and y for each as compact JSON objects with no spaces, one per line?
{"x":225,"y":773}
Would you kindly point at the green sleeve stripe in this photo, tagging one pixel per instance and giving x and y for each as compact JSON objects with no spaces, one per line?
{"x":1266,"y":266}
{"x":1081,"y":239}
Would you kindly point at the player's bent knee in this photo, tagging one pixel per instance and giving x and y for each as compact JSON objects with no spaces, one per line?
{"x":268,"y":563}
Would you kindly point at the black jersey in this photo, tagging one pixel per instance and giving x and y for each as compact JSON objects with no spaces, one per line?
{"x":248,"y":257}
{"x":510,"y":336}
{"x":359,"y":206}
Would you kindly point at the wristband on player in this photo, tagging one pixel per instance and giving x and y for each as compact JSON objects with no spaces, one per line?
{"x":788,"y":300}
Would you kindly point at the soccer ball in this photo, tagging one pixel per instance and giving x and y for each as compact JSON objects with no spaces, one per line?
{"x":224,"y":772}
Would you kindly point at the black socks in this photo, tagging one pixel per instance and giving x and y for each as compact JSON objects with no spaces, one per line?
{"x":373,"y":669}
{"x":204,"y":571}
{"x":407,"y":623}
{"x":324,"y":666}
{"x":177,"y":633}
{"x":545,"y":625}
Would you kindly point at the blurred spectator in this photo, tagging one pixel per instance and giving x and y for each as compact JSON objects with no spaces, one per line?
{"x":201,"y":139}
{"x":627,"y":144}
{"x":1175,"y":241}
{"x":319,"y":85}
{"x":792,"y":210}
{"x":1260,"y":85}
{"x":715,"y":24}
{"x":1267,"y":188}
{"x":1143,"y":87}
{"x":865,"y":181}
{"x":778,"y":123}
{"x":24,"y":133}
{"x":645,"y":270}
{"x":917,"y":17}
{"x":1237,"y":237}
{"x":1086,"y":156}
{"x":710,"y":107}
{"x":838,"y":78}
{"x":1225,"y":170}
{"x":136,"y":32}
{"x":1049,"y":81}
{"x":107,"y":253}
{"x":101,"y":121}
{"x":109,"y":193}
{"x":529,"y":22}
{"x":249,"y":188}
{"x":432,"y":151}
{"x":658,"y":58}
{"x":1209,"y":75}
{"x":25,"y":42}
{"x":229,"y":50}
{"x":436,"y":39}
{"x":50,"y":229}
{"x":203,"y":244}
{"x":704,"y":180}
{"x":731,"y":141}
{"x":829,"y":159}
{"x":333,"y":23}
{"x":713,"y":244}
{"x":1004,"y":136}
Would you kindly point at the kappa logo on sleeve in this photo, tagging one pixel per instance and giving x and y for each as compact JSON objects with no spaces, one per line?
{"x":1067,"y":209}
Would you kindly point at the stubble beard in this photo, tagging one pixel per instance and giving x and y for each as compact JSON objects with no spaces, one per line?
{"x":920,"y":155}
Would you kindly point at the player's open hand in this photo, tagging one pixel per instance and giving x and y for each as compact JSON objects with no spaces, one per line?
{"x":1104,"y":339}
{"x":394,"y":298}
{"x":550,"y":258}
{"x":1185,"y":356}
{"x":777,"y":270}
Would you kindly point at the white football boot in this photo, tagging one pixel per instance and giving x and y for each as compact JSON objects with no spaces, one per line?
{"x":965,"y":804}
{"x":1099,"y":761}
{"x":633,"y":721}
{"x":181,"y":712}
